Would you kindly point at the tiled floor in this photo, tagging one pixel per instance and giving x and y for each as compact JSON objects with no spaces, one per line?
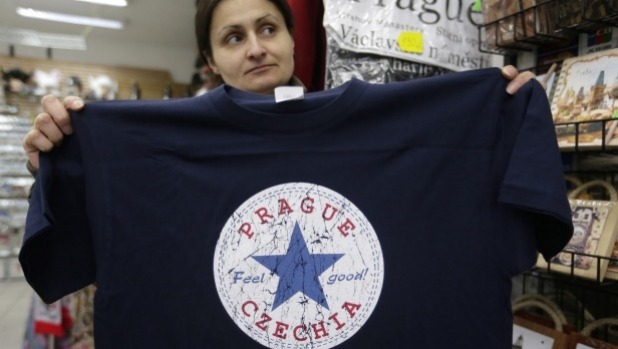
{"x":15,"y":299}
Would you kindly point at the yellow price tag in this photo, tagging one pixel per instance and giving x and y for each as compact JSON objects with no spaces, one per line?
{"x":411,"y":42}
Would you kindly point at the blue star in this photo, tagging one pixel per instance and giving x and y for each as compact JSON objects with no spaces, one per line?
{"x":298,"y":270}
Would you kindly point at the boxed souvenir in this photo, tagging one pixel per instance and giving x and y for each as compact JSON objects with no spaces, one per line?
{"x":518,"y":24}
{"x":595,"y":227}
{"x":584,"y":101}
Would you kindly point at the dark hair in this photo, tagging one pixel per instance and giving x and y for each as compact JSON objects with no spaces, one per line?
{"x":203,"y":19}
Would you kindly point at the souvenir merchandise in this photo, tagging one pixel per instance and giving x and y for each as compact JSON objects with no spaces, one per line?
{"x":101,"y":87}
{"x":47,"y":82}
{"x":584,"y":101}
{"x":506,"y":23}
{"x":585,"y":339}
{"x":521,"y":25}
{"x":601,"y":39}
{"x":586,"y":14}
{"x":595,"y":229}
{"x":69,"y":320}
{"x":231,"y":221}
{"x":15,"y":183}
{"x":612,"y":267}
{"x":17,"y":80}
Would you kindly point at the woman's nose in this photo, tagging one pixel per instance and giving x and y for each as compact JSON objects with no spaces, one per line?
{"x":255,"y":49}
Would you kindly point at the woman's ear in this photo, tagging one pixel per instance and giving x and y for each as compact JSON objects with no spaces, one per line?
{"x":212,"y":65}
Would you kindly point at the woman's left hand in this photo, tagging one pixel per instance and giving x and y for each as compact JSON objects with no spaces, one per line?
{"x":517,"y":79}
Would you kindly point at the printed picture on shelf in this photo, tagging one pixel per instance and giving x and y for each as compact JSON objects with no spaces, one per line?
{"x":594,"y":234}
{"x":584,"y":101}
{"x":602,"y":39}
{"x":612,"y":267}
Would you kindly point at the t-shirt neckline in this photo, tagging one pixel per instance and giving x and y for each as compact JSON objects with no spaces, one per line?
{"x":261,"y":112}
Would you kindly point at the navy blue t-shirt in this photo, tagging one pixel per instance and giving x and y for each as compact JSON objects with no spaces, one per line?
{"x":366,"y":216}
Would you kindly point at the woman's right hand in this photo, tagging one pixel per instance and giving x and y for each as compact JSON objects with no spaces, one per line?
{"x":50,"y":126}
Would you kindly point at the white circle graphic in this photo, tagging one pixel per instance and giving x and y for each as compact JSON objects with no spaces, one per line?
{"x":298,"y":265}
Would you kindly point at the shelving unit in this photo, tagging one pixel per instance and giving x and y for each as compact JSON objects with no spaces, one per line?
{"x":544,"y":22}
{"x":15,"y":182}
{"x":18,"y":109}
{"x":152,"y":82}
{"x":517,"y":35}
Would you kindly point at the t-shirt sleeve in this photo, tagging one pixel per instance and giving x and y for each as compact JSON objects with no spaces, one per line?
{"x":57,"y":254}
{"x":534,"y":178}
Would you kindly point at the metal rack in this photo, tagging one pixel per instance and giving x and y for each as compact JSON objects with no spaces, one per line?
{"x":549,"y":22}
{"x":580,"y":299}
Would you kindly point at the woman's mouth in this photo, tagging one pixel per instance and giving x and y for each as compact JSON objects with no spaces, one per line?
{"x":259,"y":69}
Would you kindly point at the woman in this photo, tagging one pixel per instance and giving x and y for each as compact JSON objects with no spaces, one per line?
{"x":247,"y":42}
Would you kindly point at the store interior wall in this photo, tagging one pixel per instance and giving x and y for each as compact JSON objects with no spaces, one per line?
{"x":178,"y":61}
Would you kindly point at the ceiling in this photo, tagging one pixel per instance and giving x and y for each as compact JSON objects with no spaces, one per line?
{"x":162,"y":23}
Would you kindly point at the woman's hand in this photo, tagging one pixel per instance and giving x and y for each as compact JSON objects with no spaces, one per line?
{"x":517,"y":79}
{"x":50,"y":126}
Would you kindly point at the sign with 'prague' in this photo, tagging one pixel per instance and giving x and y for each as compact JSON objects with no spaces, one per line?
{"x":442,"y":33}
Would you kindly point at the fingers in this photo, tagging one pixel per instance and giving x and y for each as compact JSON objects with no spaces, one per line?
{"x":53,"y":108}
{"x":50,"y":126}
{"x":43,"y":136}
{"x":548,"y":75}
{"x":33,"y":143}
{"x":509,"y":72}
{"x":73,"y":103}
{"x":519,"y":81}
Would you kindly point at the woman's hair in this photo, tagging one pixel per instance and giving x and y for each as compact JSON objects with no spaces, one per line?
{"x":203,"y":19}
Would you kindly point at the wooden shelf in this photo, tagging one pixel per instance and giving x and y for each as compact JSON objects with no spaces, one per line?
{"x":152,"y":82}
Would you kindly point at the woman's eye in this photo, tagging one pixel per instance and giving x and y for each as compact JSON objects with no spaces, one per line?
{"x":233,"y":39}
{"x":268,"y":30}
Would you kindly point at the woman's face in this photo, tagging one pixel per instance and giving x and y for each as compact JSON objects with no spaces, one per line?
{"x":252,"y":49}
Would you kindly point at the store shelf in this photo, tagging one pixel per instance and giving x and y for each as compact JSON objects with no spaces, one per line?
{"x":595,"y":265}
{"x":587,"y":15}
{"x":546,"y":23}
{"x":15,"y":183}
{"x":580,"y":299}
{"x":588,"y":135}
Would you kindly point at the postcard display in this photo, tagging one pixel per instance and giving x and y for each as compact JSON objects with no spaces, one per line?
{"x":585,"y":108}
{"x":15,"y":182}
{"x":581,"y":37}
{"x":595,"y":225}
{"x":583,"y":95}
{"x":585,"y":101}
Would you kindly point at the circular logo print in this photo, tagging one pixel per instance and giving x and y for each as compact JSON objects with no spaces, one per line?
{"x":299,"y":266}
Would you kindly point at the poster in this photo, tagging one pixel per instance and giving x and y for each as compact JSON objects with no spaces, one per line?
{"x":441,"y":33}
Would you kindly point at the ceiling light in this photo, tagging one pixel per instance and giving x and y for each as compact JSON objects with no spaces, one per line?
{"x":119,"y":3}
{"x":65,"y":18}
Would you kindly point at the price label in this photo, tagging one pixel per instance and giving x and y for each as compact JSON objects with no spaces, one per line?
{"x":411,"y":42}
